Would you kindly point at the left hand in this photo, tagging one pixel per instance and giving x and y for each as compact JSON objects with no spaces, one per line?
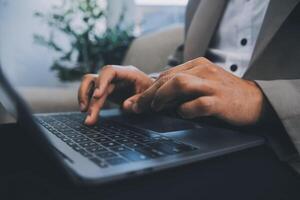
{"x":204,"y":89}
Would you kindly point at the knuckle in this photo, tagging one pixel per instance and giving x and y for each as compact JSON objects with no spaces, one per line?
{"x":195,"y":62}
{"x":209,"y":68}
{"x":204,"y":60}
{"x":107,"y":67}
{"x":199,"y":60}
{"x":131,"y":67}
{"x":180,"y":81}
{"x":87,"y":76}
{"x":213,"y":69}
{"x":206,"y":106}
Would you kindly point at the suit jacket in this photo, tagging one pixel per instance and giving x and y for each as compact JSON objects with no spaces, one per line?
{"x":275,"y":64}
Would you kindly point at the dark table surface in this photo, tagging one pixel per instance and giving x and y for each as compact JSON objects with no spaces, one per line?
{"x":256,"y":173}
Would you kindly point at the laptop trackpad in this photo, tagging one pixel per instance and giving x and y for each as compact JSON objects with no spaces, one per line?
{"x":157,"y":123}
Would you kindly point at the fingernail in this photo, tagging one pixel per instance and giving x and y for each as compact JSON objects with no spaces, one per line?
{"x":135,"y":108}
{"x":82,"y":106}
{"x":87,"y":118}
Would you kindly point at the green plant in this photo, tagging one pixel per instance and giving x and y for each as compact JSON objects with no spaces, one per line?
{"x":80,"y":21}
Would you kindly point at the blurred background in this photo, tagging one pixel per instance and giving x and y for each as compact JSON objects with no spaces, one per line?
{"x":46,"y":46}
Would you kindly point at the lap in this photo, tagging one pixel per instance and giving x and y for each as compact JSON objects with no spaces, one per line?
{"x":26,"y":173}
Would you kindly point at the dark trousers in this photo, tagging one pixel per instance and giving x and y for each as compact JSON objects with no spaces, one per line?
{"x":27,"y":173}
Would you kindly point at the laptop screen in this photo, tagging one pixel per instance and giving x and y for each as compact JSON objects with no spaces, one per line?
{"x":8,"y":111}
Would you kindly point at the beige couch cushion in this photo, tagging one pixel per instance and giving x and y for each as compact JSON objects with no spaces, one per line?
{"x":51,"y":99}
{"x":150,"y":52}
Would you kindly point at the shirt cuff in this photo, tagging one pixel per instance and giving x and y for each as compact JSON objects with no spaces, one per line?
{"x":154,"y":75}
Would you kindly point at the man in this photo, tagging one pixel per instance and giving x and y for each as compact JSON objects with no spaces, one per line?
{"x":240,"y":64}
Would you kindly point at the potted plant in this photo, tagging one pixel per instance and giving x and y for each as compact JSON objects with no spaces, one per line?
{"x":91,"y":44}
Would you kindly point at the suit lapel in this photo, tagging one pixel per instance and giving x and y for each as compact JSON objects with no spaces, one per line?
{"x":276,"y":14}
{"x":202,"y":27}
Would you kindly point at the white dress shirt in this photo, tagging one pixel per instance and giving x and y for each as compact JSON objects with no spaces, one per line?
{"x":234,"y":41}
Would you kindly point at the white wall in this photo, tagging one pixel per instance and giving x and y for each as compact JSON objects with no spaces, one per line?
{"x":25,"y":62}
{"x":115,"y":9}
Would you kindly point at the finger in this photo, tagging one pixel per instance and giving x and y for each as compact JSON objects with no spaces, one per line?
{"x":128,"y":103}
{"x":144,"y":101}
{"x":106,"y":75}
{"x":113,"y":73}
{"x":202,"y":106}
{"x":84,"y":91}
{"x":179,"y":88}
{"x":95,"y":106}
{"x":177,"y":69}
{"x":205,"y":71}
{"x":183,"y":67}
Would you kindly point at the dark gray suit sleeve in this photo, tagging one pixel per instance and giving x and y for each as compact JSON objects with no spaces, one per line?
{"x":284,"y":96}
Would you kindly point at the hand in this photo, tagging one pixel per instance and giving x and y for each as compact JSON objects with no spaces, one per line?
{"x":204,"y":89}
{"x":115,"y":82}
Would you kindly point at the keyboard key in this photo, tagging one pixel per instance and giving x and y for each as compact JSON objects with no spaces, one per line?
{"x":116,"y":161}
{"x":95,"y":149}
{"x":82,"y":140}
{"x":77,"y":136}
{"x":65,"y":139}
{"x":106,"y":154}
{"x":88,"y":144}
{"x":70,"y":132}
{"x":102,"y":140}
{"x":76,"y":147}
{"x":89,"y":132}
{"x":116,"y":137}
{"x":94,"y":135}
{"x":124,"y":141}
{"x":99,"y":162}
{"x":110,"y":144}
{"x":108,"y":132}
{"x":119,"y":149}
{"x":127,"y":133}
{"x":84,"y":153}
{"x":134,"y":145}
{"x":137,"y":137}
{"x":58,"y":134}
{"x":70,"y":143}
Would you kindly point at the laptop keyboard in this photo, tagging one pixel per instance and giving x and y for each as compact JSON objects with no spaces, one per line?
{"x":109,"y":142}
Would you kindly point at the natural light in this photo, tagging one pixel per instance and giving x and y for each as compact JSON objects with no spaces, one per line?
{"x":160,"y":2}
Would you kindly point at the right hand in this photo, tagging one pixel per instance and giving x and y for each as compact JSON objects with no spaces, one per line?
{"x":122,"y":84}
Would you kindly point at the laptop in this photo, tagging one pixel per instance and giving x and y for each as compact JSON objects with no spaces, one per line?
{"x":120,"y":145}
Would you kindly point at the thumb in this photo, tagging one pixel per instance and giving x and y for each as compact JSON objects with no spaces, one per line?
{"x":128,"y":103}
